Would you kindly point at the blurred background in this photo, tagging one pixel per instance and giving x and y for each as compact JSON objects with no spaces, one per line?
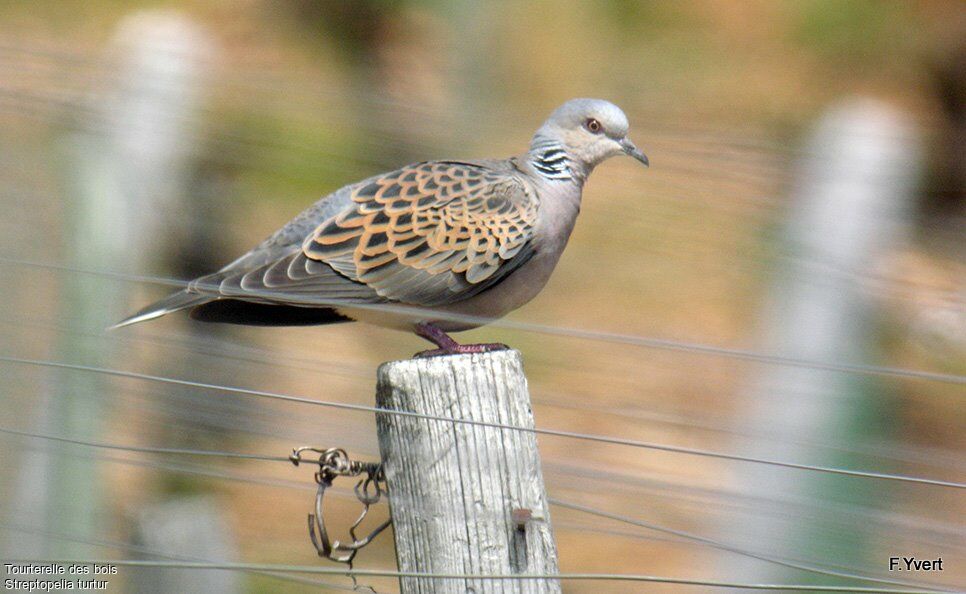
{"x":805,"y":202}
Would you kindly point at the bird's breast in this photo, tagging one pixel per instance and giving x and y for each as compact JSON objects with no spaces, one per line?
{"x":556,"y":219}
{"x":558,"y":214}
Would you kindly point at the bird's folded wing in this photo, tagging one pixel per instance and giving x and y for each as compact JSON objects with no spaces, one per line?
{"x":291,"y":279}
{"x":430,"y":234}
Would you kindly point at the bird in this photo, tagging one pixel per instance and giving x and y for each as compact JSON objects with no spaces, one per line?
{"x":432,"y":247}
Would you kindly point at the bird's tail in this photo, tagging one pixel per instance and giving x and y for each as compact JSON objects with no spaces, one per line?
{"x":174,"y":302}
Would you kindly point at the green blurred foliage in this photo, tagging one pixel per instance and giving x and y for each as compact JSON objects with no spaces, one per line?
{"x":634,"y":17}
{"x":859,"y":31}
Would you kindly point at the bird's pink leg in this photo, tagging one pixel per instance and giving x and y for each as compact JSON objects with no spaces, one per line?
{"x":448,"y":346}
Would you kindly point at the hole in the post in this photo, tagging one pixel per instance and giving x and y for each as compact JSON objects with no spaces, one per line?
{"x":518,"y":555}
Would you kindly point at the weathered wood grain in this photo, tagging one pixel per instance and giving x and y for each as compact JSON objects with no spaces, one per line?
{"x":456,"y":489}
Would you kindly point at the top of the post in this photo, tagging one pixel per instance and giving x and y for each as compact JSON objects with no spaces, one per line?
{"x":509,"y":358}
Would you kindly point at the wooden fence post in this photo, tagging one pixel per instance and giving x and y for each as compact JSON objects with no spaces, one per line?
{"x":464,"y":498}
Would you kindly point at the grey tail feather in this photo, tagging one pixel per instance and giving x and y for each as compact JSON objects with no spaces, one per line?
{"x":171,"y":303}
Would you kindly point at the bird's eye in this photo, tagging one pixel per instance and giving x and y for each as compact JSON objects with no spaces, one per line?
{"x":593,"y":125}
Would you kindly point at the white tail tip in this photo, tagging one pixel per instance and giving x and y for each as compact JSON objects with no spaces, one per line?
{"x":140,"y":318}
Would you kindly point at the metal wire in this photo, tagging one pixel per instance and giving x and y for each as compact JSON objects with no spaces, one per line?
{"x":722,"y":166}
{"x":584,"y":472}
{"x":676,"y":160}
{"x":844,"y":518}
{"x":810,"y":568}
{"x":146,"y":450}
{"x":292,"y":360}
{"x":206,"y":471}
{"x":595,"y":528}
{"x":105,"y":543}
{"x":685,"y":536}
{"x":683,"y":346}
{"x":568,"y":469}
{"x":622,"y":577}
{"x":555,"y":501}
{"x":297,"y":93}
{"x":612,"y":337}
{"x":553,"y":432}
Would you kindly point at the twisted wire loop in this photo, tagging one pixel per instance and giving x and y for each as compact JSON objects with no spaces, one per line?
{"x":335,"y":462}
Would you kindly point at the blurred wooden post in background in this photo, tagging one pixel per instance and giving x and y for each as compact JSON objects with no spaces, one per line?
{"x":850,"y":210}
{"x":125,"y":166}
{"x":188,"y":528}
{"x":464,"y":498}
{"x":153,"y":117}
{"x":128,"y":159}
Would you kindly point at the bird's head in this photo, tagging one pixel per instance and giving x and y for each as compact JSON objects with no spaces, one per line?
{"x":590,"y":131}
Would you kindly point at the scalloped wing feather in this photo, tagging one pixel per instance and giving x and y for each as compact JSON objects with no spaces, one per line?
{"x":431,"y":233}
{"x":292,"y":279}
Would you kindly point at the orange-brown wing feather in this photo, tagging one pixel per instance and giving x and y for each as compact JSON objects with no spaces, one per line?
{"x":431,"y":233}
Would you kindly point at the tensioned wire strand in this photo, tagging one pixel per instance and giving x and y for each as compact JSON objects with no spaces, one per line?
{"x":292,"y":361}
{"x":553,"y":432}
{"x":670,"y":167}
{"x":624,"y":577}
{"x":296,"y":95}
{"x":702,"y":238}
{"x":74,"y":97}
{"x":720,"y":545}
{"x":681,"y":536}
{"x":410,"y":107}
{"x":79,"y":105}
{"x":896,"y":288}
{"x":878,"y":282}
{"x":684,"y":536}
{"x":290,"y":484}
{"x":119,"y":545}
{"x":309,"y":439}
{"x":233,"y":146}
{"x":840,"y":518}
{"x":274,"y":80}
{"x":148,"y":450}
{"x":232,"y":455}
{"x":661,"y":487}
{"x":613,"y":337}
{"x":699,"y":237}
{"x":341,"y":157}
{"x":194,"y":469}
{"x":215,"y":454}
{"x":133,"y":548}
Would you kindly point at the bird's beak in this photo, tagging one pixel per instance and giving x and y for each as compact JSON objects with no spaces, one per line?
{"x":632,"y":151}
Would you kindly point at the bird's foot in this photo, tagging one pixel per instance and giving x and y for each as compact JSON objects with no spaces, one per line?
{"x":463,"y":349}
{"x":448,"y":346}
